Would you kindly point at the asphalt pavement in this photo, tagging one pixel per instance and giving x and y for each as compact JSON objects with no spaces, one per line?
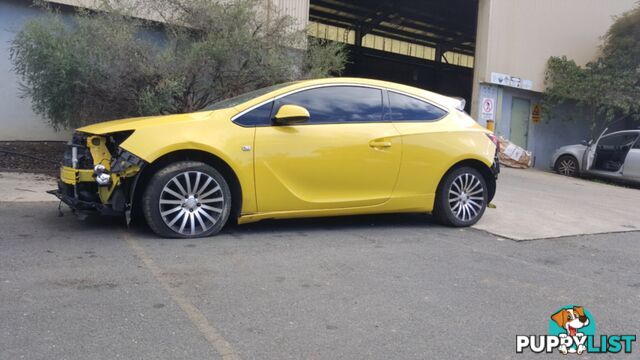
{"x":371,"y":287}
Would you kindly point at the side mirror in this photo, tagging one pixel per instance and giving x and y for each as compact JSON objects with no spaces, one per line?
{"x":584,"y":142}
{"x":291,"y":114}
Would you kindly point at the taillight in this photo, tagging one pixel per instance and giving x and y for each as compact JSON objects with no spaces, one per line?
{"x":495,"y":141}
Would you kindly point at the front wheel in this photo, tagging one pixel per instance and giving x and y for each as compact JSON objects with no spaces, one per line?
{"x":187,"y":199}
{"x":567,"y":165}
{"x":461,"y":198}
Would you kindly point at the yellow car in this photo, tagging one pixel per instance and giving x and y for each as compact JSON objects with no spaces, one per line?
{"x":325,"y":147}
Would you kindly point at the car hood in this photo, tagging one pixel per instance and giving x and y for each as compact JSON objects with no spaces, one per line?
{"x":572,"y":148}
{"x":108,"y":127}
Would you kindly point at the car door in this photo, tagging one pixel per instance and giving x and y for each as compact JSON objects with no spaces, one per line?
{"x":590,"y":152}
{"x":425,"y":143}
{"x":632,"y":162}
{"x":344,"y":156}
{"x":611,"y":152}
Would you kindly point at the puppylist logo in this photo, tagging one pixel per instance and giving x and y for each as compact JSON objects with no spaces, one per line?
{"x":572,"y":330}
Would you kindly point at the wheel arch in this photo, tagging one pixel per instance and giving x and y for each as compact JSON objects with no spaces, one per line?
{"x":189,"y":155}
{"x":570,"y":154}
{"x":482,"y":168}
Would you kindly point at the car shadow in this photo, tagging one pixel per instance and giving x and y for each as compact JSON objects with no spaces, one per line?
{"x":337,"y":223}
{"x":303,"y":225}
{"x":615,"y":182}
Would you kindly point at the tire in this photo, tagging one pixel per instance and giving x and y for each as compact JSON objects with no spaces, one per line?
{"x":177,"y":208}
{"x":453,"y":209}
{"x":566,"y":165}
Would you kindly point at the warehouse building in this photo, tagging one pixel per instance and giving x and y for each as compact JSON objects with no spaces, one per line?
{"x":493,"y":53}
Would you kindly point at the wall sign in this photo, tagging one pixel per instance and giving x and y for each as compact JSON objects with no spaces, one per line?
{"x":487,"y":109}
{"x":489,"y":91}
{"x":512,"y":81}
{"x":535,"y":113}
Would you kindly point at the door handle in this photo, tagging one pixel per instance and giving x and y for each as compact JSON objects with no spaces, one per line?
{"x":380,"y":144}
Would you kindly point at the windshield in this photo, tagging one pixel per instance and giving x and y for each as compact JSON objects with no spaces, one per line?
{"x":237,"y":100}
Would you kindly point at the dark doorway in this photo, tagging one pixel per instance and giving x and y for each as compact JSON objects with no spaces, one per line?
{"x":428,"y":43}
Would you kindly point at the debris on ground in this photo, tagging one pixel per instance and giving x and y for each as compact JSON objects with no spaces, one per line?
{"x":513,"y":156}
{"x":42,"y":157}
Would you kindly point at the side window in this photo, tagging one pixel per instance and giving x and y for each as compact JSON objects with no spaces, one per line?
{"x":617,"y":140}
{"x":407,"y":108}
{"x":637,"y":145}
{"x":338,"y":104}
{"x":257,"y":117}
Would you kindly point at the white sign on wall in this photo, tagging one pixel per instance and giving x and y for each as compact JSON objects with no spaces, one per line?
{"x":512,"y":81}
{"x":500,"y":79}
{"x":487,"y":109}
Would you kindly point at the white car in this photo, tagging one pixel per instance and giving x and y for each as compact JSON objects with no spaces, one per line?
{"x":615,"y":156}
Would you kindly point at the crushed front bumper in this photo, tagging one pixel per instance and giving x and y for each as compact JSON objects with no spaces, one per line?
{"x":65,"y":193}
{"x":97,"y":175}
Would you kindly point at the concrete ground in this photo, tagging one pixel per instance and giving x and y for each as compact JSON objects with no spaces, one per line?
{"x":372,"y":287}
{"x":532,"y":204}
{"x":25,"y":187}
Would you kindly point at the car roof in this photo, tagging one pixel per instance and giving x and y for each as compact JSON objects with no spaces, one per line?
{"x":438,"y":98}
{"x":444,"y":101}
{"x":622,"y":132}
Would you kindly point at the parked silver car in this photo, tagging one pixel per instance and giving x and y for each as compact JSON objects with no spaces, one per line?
{"x":615,"y":156}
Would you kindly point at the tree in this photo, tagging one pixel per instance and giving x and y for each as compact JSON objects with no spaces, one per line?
{"x":607,"y":87}
{"x":181,"y":57}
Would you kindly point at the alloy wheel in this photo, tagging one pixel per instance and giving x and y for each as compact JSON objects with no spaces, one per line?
{"x":191,"y":203}
{"x":567,"y":167}
{"x":466,"y":197}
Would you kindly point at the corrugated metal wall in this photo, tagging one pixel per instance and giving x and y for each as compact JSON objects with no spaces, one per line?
{"x":298,"y":9}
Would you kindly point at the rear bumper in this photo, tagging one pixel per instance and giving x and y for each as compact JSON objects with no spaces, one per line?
{"x":495,"y":167}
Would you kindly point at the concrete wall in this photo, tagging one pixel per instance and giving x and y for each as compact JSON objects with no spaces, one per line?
{"x":17,"y":120}
{"x":517,"y":37}
{"x":569,"y":125}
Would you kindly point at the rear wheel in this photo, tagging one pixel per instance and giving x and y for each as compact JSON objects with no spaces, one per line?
{"x":187,"y":199}
{"x":566,"y":165}
{"x":462,"y":197}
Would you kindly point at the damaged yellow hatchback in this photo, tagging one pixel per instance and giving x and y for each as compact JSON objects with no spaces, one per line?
{"x":324,"y":147}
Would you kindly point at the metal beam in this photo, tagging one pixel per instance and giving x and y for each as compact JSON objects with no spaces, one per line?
{"x":336,"y":20}
{"x":431,"y":41}
{"x":404,"y":36}
{"x":416,"y":13}
{"x":369,"y":22}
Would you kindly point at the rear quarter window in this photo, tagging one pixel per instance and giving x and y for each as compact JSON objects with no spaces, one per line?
{"x":408,"y":108}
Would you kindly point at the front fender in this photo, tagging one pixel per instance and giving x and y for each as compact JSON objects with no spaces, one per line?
{"x":576,"y":151}
{"x":218,"y":137}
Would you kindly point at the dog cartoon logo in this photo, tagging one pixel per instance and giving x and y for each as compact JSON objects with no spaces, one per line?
{"x":572,"y":330}
{"x":572,"y":320}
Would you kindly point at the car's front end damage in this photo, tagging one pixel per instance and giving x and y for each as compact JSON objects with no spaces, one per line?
{"x":97,"y":175}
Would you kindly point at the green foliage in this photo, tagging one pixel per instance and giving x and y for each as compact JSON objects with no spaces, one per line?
{"x":184,"y":56}
{"x":607,"y":87}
